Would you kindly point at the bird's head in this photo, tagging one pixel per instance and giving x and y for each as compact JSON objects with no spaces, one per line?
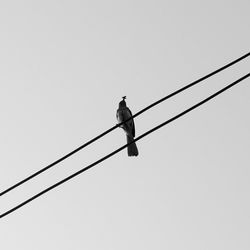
{"x":122,"y":103}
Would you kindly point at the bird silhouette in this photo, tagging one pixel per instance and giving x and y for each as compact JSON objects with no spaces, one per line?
{"x":123,"y":113}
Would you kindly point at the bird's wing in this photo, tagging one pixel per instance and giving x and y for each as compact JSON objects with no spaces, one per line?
{"x":131,"y":122}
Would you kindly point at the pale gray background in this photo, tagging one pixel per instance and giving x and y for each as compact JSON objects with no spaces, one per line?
{"x":65,"y":66}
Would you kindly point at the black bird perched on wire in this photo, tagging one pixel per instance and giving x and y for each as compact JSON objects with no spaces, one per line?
{"x":123,"y":113}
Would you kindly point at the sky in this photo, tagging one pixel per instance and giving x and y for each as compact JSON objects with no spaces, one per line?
{"x":65,"y":65}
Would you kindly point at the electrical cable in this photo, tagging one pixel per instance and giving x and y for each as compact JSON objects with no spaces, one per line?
{"x":116,"y":126}
{"x":124,"y":146}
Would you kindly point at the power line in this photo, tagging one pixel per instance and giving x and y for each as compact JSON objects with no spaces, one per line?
{"x":124,"y":146}
{"x":116,"y":126}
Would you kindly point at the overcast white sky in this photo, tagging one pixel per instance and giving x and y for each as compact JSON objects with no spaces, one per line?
{"x":65,"y":66}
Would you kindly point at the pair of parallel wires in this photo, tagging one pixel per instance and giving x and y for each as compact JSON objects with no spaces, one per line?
{"x":124,"y":146}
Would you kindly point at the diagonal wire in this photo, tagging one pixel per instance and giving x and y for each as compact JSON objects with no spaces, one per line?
{"x":116,"y":126}
{"x":124,"y":146}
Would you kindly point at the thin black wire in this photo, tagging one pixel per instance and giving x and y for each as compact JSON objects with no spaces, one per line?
{"x":116,"y":126}
{"x":124,"y":146}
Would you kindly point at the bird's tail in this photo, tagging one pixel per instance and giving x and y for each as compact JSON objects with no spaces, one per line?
{"x":132,"y":148}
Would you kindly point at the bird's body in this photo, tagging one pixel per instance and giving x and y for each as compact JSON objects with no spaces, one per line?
{"x":123,"y":113}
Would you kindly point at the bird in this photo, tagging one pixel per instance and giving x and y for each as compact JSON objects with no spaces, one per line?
{"x":123,"y":113}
